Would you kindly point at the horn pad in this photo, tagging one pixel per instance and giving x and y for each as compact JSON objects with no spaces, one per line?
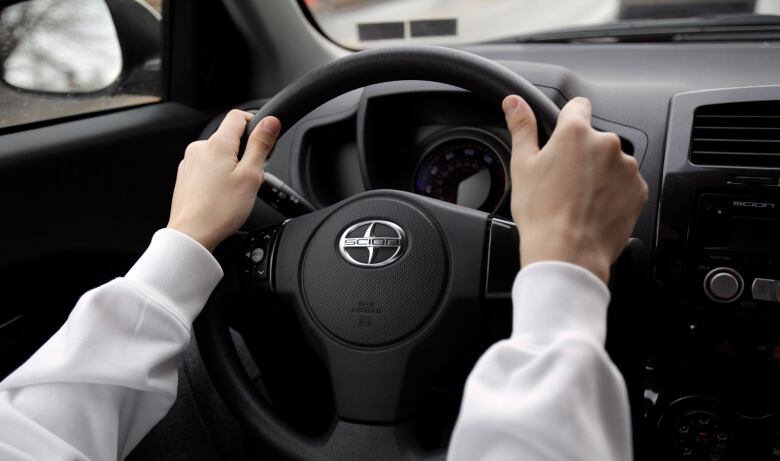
{"x":375,"y":271}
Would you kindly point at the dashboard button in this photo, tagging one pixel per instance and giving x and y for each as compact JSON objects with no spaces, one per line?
{"x":718,"y":211}
{"x":723,"y":285}
{"x":764,"y":290}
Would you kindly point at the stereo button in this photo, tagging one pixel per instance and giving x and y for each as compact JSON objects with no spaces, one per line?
{"x":718,"y":211}
{"x":723,"y":285}
{"x":764,"y":290}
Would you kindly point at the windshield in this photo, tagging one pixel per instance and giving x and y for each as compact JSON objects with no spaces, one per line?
{"x":370,"y":23}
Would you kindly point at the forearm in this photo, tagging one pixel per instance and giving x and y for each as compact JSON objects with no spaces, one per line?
{"x":109,"y":374}
{"x":549,"y":392}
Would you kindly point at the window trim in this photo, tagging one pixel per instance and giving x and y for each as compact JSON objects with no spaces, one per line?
{"x":316,"y":25}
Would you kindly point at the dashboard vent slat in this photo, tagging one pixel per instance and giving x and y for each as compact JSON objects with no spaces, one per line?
{"x":737,"y":134}
{"x":734,"y":140}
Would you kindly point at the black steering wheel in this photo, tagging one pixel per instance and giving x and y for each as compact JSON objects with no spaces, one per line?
{"x":385,"y":284}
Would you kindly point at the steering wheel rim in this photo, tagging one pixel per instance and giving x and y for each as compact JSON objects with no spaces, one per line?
{"x":457,"y":68}
{"x":437,"y":64}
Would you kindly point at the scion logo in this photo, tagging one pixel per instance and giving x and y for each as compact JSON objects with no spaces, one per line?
{"x":742,"y":204}
{"x":372,"y":243}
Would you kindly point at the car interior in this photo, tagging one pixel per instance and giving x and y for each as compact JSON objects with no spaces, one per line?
{"x":301,"y":356}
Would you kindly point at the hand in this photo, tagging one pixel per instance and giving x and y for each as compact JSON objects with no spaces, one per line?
{"x":578,"y":198}
{"x":215,"y":192}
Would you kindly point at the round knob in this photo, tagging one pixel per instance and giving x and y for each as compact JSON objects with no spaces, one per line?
{"x":701,"y":434}
{"x":723,"y":285}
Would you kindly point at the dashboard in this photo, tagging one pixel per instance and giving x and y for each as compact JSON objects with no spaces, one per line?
{"x":694,"y":323}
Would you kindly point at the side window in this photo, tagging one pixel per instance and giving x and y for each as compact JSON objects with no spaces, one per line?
{"x":60,"y":58}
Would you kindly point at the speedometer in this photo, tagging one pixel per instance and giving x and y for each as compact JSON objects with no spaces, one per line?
{"x":465,"y":166}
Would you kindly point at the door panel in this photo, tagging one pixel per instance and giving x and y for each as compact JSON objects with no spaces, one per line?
{"x":80,"y":201}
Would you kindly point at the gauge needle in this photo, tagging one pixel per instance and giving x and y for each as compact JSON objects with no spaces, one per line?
{"x":474,"y":190}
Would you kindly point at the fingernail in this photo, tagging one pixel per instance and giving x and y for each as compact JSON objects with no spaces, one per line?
{"x":583,"y":100}
{"x":270,"y":125}
{"x":510,"y":104}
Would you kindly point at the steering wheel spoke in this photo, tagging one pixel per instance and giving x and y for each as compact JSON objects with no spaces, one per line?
{"x":502,"y":259}
{"x":256,"y":256}
{"x":376,"y":442}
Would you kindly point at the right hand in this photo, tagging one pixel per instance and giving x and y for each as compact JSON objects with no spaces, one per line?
{"x":578,"y":198}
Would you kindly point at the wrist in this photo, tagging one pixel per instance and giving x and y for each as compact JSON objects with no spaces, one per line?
{"x":585,"y":256}
{"x":203,"y":238}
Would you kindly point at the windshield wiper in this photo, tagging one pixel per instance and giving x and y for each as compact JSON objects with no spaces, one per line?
{"x":732,"y":27}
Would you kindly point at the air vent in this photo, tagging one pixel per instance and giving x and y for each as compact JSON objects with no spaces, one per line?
{"x":737,"y":134}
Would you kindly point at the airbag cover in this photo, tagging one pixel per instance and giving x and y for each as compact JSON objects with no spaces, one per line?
{"x":377,"y":305}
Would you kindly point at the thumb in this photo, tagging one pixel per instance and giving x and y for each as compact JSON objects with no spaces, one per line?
{"x":521,"y":121}
{"x":260,"y":142}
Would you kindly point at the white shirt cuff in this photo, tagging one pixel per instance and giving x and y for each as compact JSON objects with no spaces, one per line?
{"x":178,"y":273}
{"x":556,"y":298}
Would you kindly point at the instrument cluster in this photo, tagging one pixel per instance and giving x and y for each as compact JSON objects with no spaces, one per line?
{"x":465,"y":166}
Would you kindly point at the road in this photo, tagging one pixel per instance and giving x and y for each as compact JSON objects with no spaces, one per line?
{"x":478,"y":20}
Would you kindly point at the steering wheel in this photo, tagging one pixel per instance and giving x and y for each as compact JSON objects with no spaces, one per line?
{"x":385,"y":284}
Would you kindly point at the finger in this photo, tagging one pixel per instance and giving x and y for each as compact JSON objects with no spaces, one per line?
{"x":573,"y":122}
{"x":576,"y":108}
{"x":261,"y":141}
{"x":521,"y":122}
{"x":610,"y":142}
{"x":231,"y":129}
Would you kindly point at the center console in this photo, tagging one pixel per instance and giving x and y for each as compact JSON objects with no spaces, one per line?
{"x":712,"y":377}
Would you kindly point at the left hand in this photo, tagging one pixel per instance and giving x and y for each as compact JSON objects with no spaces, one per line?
{"x":215,"y":192}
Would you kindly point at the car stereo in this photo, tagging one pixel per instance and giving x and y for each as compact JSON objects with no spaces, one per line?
{"x":734,"y":251}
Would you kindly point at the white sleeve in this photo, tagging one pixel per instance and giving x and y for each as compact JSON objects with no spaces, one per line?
{"x":550,"y":391}
{"x":109,"y":374}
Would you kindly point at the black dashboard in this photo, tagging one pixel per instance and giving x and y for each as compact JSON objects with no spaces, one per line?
{"x":697,"y":334}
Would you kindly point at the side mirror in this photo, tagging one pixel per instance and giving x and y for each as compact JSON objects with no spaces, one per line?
{"x":139,"y":31}
{"x":80,"y":47}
